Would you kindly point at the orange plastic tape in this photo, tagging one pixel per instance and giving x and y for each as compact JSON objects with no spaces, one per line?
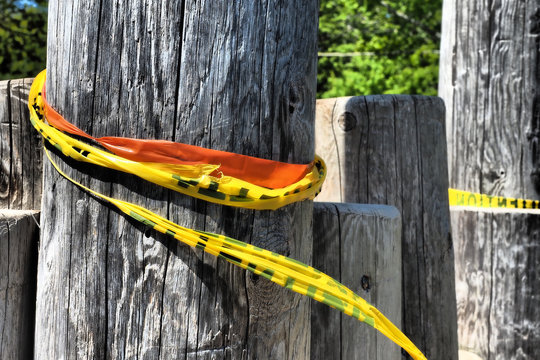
{"x":262,"y":172}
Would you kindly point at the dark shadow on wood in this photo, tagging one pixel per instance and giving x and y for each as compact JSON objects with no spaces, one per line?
{"x":129,"y":181}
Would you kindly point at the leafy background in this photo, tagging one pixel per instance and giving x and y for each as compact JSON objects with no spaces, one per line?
{"x":23,"y":38}
{"x":365,"y":46}
{"x":397,"y":45}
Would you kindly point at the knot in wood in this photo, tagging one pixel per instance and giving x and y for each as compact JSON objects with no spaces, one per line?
{"x":347,"y":121}
{"x":535,"y":179}
{"x":535,"y":23}
{"x":365,"y":282}
{"x":81,"y":207}
{"x":296,"y":97}
{"x":4,"y":182}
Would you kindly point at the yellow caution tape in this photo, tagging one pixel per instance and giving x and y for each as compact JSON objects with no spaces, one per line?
{"x":226,"y":190}
{"x":481,"y":202}
{"x":277,"y":268}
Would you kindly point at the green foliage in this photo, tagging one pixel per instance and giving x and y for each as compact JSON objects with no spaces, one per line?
{"x":395,"y":45}
{"x":23,"y":38}
{"x":398,"y":42}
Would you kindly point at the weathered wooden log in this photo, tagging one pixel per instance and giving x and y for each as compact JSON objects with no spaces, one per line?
{"x":490,"y":81}
{"x":19,"y":235}
{"x":360,"y":245}
{"x":225,"y":75}
{"x":391,"y":150}
{"x":20,"y":149}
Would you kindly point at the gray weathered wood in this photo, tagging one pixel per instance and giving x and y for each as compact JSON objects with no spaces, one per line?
{"x":19,"y":235}
{"x":490,"y":81}
{"x":236,"y":76}
{"x":498,"y":285}
{"x":360,"y":245}
{"x":20,"y":149}
{"x":391,"y":150}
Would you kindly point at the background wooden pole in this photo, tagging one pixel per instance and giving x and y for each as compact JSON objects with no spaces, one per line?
{"x":359,"y":245}
{"x":391,"y":150}
{"x":236,"y":76}
{"x":490,"y":81}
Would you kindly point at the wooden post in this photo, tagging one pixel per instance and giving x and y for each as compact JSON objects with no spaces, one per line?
{"x":20,"y":193}
{"x":360,"y":245}
{"x":19,"y":235}
{"x":490,"y":81}
{"x":20,"y":149}
{"x":225,"y":75}
{"x":391,"y":150}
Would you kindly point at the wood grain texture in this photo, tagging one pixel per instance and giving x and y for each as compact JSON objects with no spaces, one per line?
{"x":19,"y":236}
{"x":360,"y":245}
{"x":20,"y":149}
{"x":391,"y":150}
{"x":498,"y":285}
{"x":237,"y":76}
{"x":490,"y":82}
